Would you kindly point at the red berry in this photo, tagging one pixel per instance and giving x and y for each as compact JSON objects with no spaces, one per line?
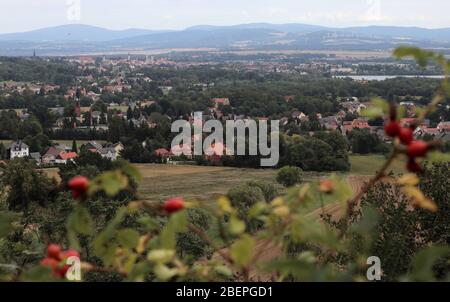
{"x":63,"y":271}
{"x":417,"y":149}
{"x":70,"y":253}
{"x":54,"y":251}
{"x":392,"y":129}
{"x":173,"y":205}
{"x":79,"y":186}
{"x":406,"y":135}
{"x":413,"y":166}
{"x":50,"y":262}
{"x":57,"y":270}
{"x":76,"y":194}
{"x":326,"y":186}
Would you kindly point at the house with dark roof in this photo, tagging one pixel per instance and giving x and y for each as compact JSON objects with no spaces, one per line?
{"x":51,"y":154}
{"x":329,"y":122}
{"x":93,"y":146}
{"x":444,"y":126}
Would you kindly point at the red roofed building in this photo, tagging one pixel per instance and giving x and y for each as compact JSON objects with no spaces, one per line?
{"x":164,"y":153}
{"x":444,"y":126}
{"x":289,"y":98}
{"x":64,"y":157}
{"x":356,"y":124}
{"x":215,"y":152}
{"x":360,"y":124}
{"x":221,"y":101}
{"x":406,"y":122}
{"x":180,"y":150}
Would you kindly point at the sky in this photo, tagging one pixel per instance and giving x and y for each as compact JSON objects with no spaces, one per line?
{"x":24,"y":15}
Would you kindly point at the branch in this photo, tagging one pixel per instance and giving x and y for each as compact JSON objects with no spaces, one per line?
{"x":380,"y":175}
{"x":206,"y":238}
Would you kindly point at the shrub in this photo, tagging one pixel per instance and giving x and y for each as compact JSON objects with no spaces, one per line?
{"x":289,"y":176}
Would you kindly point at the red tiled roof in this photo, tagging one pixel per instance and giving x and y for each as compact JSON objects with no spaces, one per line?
{"x":68,"y":155}
{"x":163,"y":152}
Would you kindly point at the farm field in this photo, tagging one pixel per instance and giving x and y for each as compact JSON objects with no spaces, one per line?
{"x":204,"y":183}
{"x":193,"y":182}
{"x":370,"y":164}
{"x":207,"y":183}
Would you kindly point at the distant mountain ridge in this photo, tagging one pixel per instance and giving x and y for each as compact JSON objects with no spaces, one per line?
{"x":86,"y":38}
{"x":75,"y":32}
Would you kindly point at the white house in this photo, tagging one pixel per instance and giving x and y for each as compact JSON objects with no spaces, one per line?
{"x":19,"y":149}
{"x":109,"y":153}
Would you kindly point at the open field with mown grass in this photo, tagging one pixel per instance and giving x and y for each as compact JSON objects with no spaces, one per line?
{"x":194,"y":182}
{"x":207,"y":183}
{"x":370,"y":164}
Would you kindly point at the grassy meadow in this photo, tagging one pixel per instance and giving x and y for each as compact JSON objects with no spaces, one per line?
{"x":207,"y":183}
{"x":370,"y":164}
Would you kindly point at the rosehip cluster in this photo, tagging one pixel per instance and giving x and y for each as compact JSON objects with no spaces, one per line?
{"x":56,"y":260}
{"x":79,"y":186}
{"x":415,"y":148}
{"x":173,"y":205}
{"x":326,"y":186}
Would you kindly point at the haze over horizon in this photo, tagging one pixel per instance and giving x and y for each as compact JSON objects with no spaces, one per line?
{"x":21,"y":15}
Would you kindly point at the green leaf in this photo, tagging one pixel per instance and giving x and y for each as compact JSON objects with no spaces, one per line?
{"x":242,"y":250}
{"x":236,"y":226}
{"x":128,"y":238}
{"x":223,"y":271}
{"x":104,"y":244}
{"x":424,"y":261}
{"x":139,"y":272}
{"x":133,"y":172}
{"x":303,"y":268}
{"x":110,"y":182}
{"x":177,"y":224}
{"x":150,"y":223}
{"x":161,"y":256}
{"x":179,"y":221}
{"x":163,"y":273}
{"x":379,"y":108}
{"x":80,"y":221}
{"x":422,"y":57}
{"x":105,"y":248}
{"x":113,"y":183}
{"x":257,"y":209}
{"x":372,"y":113}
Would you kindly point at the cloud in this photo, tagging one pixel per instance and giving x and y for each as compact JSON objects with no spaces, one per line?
{"x":372,"y":12}
{"x":274,"y":11}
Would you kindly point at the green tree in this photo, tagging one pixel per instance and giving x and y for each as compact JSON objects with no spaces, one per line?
{"x":27,"y":185}
{"x":402,"y":231}
{"x":189,"y":243}
{"x":3,"y":151}
{"x":74,"y":146}
{"x":289,"y":176}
